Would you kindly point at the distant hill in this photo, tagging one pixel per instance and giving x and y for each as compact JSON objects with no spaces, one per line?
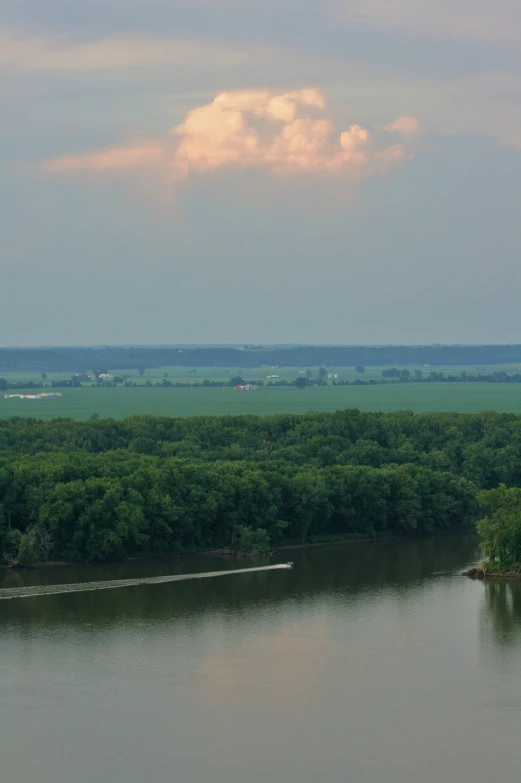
{"x":82,"y":359}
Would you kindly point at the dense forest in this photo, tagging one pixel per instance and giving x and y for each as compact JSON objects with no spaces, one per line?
{"x":109,"y":489}
{"x":82,"y":359}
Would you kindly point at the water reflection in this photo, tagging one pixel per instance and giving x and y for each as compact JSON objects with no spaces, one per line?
{"x":398,"y":566}
{"x":501,"y":612}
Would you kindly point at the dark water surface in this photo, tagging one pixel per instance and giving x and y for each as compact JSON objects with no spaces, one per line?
{"x":369,"y":663}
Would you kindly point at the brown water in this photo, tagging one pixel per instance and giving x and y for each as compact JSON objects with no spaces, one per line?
{"x":365,"y":663}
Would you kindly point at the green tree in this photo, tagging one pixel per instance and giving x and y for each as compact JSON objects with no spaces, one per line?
{"x":360,"y":369}
{"x":256,"y":542}
{"x":11,"y":545}
{"x":27,"y":552}
{"x":500,"y":529}
{"x":301,"y":383}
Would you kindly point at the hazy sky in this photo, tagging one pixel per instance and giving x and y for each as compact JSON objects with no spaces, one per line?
{"x":342,"y":171}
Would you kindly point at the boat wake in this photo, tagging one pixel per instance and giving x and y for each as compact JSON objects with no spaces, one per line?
{"x":84,"y":587}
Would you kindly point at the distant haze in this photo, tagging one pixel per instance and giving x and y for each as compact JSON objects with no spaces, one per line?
{"x":84,"y":359}
{"x":176,"y":171}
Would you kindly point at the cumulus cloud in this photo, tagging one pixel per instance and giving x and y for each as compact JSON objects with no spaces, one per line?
{"x":282,"y":133}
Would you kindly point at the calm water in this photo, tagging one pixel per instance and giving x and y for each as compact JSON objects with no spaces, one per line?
{"x":369,"y":663}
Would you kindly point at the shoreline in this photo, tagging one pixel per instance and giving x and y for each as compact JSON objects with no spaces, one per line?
{"x":221,"y":553}
{"x":481,"y":573}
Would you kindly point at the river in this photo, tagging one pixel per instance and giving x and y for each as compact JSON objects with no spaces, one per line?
{"x":366,"y":663}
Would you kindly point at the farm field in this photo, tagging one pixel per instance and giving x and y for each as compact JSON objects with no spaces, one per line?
{"x":120,"y":402}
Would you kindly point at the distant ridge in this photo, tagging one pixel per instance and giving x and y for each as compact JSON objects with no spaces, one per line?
{"x":82,"y":359}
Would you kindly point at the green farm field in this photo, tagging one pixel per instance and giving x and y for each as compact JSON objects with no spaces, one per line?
{"x":118,"y":403}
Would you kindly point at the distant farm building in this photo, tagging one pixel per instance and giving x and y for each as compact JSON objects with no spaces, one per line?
{"x":246,"y":387}
{"x":272,"y":376}
{"x":32,"y":396}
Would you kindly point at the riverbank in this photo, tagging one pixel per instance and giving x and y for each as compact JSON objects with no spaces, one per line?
{"x":208,"y":552}
{"x":307,"y":545}
{"x":230,"y":554}
{"x":481,"y":572}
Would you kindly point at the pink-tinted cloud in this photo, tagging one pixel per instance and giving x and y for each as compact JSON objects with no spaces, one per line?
{"x":143,"y":156}
{"x":405,"y":126}
{"x":279,"y":133}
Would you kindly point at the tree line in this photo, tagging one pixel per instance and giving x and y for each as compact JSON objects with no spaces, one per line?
{"x":497,"y":376}
{"x":81,"y":359}
{"x":389,"y":376}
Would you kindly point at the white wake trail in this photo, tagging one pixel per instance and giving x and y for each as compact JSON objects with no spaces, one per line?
{"x":83,"y":587}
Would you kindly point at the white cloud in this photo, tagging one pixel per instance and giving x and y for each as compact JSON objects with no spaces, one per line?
{"x":280,"y":133}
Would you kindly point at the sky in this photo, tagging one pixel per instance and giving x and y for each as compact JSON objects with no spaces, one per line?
{"x":270,"y":171}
